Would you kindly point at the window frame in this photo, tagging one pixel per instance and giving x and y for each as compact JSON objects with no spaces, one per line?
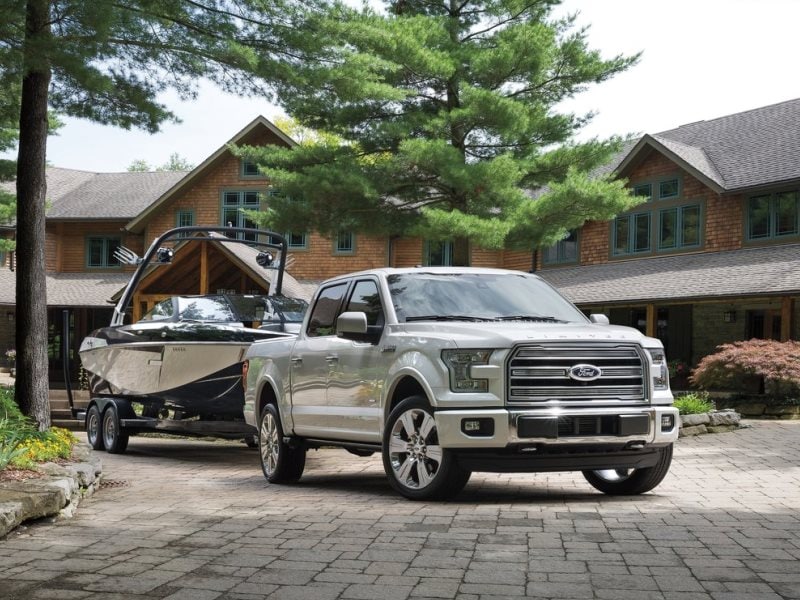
{"x":447,"y":252}
{"x":560,"y":250}
{"x":338,"y":251}
{"x":243,"y":174}
{"x":773,"y":199}
{"x":291,"y":246}
{"x":241,"y":220}
{"x":680,"y":244}
{"x":106,"y":250}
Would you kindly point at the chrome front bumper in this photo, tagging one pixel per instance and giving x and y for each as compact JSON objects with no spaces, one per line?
{"x":505,"y":429}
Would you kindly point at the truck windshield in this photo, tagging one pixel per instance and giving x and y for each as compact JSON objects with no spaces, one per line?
{"x":478,"y":296}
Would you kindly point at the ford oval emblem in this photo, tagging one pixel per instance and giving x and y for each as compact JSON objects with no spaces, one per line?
{"x":584,"y":373}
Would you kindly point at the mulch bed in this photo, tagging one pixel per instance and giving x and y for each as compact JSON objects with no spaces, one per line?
{"x":13,"y":474}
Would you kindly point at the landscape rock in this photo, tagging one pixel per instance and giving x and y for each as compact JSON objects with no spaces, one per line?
{"x":724,"y":417}
{"x":693,"y":430}
{"x":751,"y":410}
{"x":58,"y":493}
{"x":693,"y":420}
{"x":785,"y":410}
{"x":721,"y":428}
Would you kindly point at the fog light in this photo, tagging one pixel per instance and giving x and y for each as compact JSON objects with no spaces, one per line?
{"x":667,"y":422}
{"x":477,"y":427}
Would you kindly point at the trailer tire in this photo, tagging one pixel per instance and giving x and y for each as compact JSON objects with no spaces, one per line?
{"x":114,"y":439}
{"x":94,"y":433}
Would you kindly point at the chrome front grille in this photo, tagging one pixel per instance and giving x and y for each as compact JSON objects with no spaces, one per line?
{"x":540,"y":375}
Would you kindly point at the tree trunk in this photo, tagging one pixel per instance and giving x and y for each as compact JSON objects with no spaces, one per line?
{"x":31,"y":335}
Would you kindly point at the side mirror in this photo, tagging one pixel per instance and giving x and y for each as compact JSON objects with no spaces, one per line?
{"x":351,"y":323}
{"x":599,"y":319}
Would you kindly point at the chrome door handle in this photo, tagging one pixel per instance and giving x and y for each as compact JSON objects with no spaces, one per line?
{"x":296,"y":360}
{"x":332,"y":358}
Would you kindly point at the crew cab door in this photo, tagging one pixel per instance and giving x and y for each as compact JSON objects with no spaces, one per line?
{"x":310,"y":364}
{"x":358,"y":369}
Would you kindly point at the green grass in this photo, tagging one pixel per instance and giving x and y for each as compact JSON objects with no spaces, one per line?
{"x":694,"y":403}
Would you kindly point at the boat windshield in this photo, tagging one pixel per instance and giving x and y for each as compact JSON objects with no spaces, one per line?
{"x":202,"y":308}
{"x":478,"y":296}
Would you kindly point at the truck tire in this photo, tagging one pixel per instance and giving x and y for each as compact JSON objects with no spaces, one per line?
{"x":94,"y":433}
{"x":417,"y":467}
{"x":114,"y":439}
{"x":629,"y":482}
{"x":280,"y":462}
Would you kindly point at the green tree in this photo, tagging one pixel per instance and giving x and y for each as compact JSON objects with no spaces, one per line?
{"x":175,"y":163}
{"x":107,"y":61}
{"x":442,"y":114}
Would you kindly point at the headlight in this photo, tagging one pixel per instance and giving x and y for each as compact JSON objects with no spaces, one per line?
{"x":659,"y":370}
{"x":458,"y":363}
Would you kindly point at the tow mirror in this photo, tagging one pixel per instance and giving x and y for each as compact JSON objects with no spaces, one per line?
{"x":599,"y":319}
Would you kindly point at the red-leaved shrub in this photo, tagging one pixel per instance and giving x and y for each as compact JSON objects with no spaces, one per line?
{"x":776,"y":363}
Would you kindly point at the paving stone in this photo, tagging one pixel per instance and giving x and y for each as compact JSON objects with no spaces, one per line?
{"x":198,"y":521}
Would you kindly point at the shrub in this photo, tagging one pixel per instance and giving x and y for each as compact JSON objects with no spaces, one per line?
{"x":21,"y":444}
{"x":693,"y":404}
{"x":777,"y":364}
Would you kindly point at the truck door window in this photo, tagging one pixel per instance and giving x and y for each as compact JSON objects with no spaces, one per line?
{"x":366,"y":299}
{"x":325,"y":310}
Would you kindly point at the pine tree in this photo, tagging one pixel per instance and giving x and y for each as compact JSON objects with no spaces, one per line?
{"x":442,"y":117}
{"x":107,"y":61}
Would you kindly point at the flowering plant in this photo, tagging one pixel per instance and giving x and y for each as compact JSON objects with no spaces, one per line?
{"x":11,"y":354}
{"x":677,"y":367}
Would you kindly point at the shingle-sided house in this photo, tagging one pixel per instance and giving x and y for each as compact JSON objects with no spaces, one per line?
{"x":713,"y":254}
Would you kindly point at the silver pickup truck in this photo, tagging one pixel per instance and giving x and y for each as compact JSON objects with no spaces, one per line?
{"x":446,"y":371}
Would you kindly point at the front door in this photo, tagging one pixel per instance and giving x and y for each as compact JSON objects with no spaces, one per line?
{"x":358,"y":370}
{"x":311,"y":364}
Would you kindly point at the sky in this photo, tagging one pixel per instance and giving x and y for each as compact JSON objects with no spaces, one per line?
{"x":701,"y":59}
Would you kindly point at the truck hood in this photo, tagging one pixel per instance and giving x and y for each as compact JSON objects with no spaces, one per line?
{"x":493,"y":334}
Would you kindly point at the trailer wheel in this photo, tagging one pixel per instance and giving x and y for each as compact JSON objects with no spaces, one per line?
{"x":93,"y":434}
{"x":629,"y":482}
{"x":280,"y":462}
{"x":114,"y":439}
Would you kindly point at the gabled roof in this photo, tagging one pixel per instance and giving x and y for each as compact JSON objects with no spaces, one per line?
{"x":106,"y":196}
{"x":69,"y":289}
{"x":765,"y":271}
{"x":137,"y":223}
{"x":746,"y":150}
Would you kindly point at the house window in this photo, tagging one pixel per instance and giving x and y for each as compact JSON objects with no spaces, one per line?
{"x":345,"y":243}
{"x":772,"y":216}
{"x":679,"y":227}
{"x":184,"y":218}
{"x":564,"y":251}
{"x":632,"y":234}
{"x":296,"y":241}
{"x":438,"y":254}
{"x":232,"y":204}
{"x":643,"y":189}
{"x":668,"y":189}
{"x":664,"y":224}
{"x":249,"y":169}
{"x":100,"y":252}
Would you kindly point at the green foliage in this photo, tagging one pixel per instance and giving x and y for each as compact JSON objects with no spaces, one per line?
{"x":732,"y":366}
{"x":175,"y":163}
{"x":694,"y":403}
{"x":21,"y":444}
{"x":434,"y":118}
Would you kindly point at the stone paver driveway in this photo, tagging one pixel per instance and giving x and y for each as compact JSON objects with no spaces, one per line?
{"x":197,"y":521}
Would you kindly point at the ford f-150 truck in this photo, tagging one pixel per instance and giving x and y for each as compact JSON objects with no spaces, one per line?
{"x":446,"y":371}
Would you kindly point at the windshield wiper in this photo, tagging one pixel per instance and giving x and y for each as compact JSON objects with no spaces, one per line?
{"x":446,"y":318}
{"x":529,"y":318}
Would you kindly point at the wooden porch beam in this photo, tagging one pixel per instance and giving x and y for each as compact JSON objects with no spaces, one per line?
{"x":204,"y":268}
{"x":787,"y":304}
{"x":650,"y":329}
